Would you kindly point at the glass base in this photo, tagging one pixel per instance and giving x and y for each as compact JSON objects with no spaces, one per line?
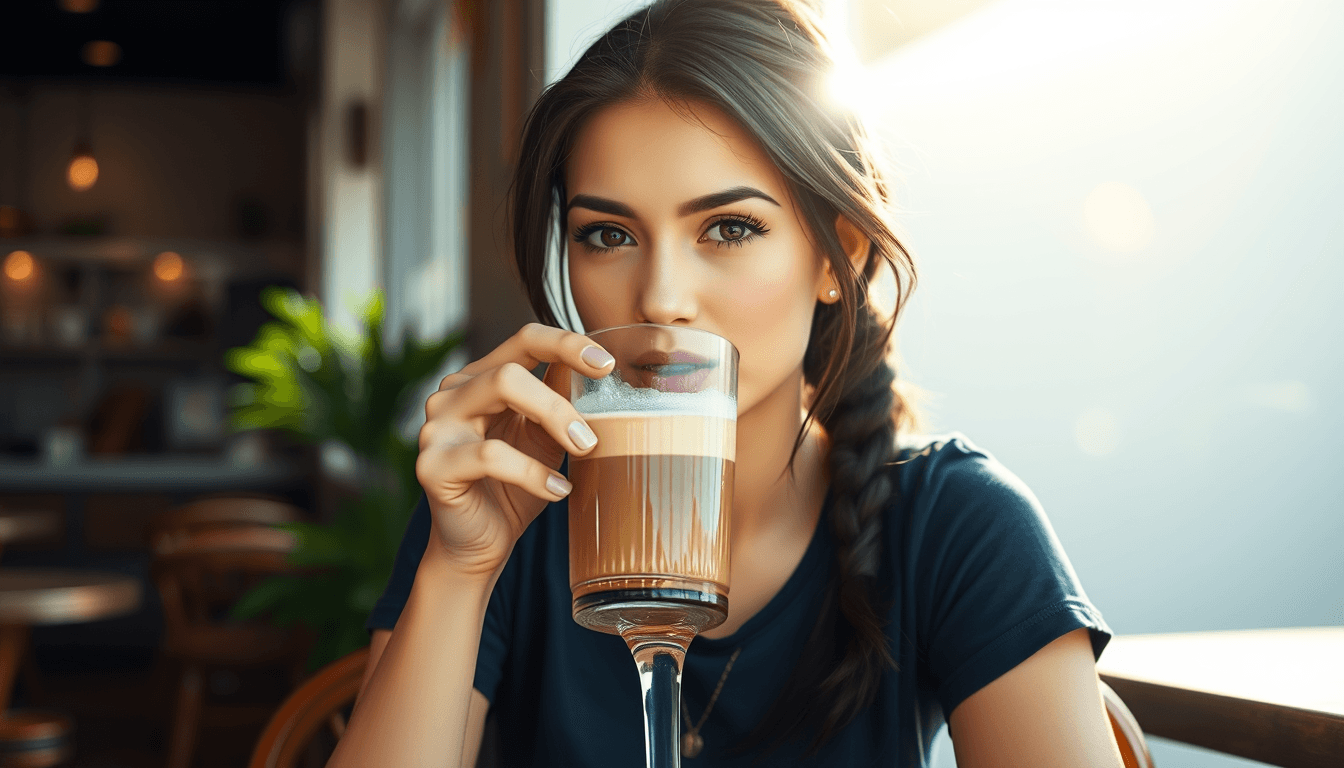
{"x":667,"y":613}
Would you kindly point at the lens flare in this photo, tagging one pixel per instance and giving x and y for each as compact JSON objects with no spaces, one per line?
{"x":168,"y":266}
{"x":19,"y":266}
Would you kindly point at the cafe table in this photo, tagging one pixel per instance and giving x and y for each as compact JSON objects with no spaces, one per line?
{"x":17,"y":525}
{"x":30,"y":596}
{"x":1273,"y":695}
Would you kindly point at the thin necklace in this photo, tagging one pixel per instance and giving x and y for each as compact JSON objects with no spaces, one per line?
{"x":691,"y":741}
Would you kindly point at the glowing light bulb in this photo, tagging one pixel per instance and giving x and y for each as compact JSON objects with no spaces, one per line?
{"x":101,"y":53}
{"x":168,"y":266}
{"x":82,"y":172}
{"x":19,"y":266}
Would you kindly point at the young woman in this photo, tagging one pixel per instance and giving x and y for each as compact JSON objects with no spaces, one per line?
{"x":699,"y":175}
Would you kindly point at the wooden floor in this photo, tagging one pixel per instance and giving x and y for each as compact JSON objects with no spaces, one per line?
{"x":122,"y":711}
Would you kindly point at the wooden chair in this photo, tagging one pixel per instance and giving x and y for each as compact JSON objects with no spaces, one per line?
{"x":322,"y":701}
{"x":1128,"y":734}
{"x":325,"y":698}
{"x":205,"y":556}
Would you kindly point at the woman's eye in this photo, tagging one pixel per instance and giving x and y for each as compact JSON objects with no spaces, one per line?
{"x":734,"y":231}
{"x":728,"y":231}
{"x":607,"y":237}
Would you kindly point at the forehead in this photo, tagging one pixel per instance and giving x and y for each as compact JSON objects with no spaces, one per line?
{"x":647,"y":151}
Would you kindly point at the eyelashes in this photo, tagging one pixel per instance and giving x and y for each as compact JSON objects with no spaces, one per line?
{"x":609,"y":237}
{"x":733,"y":229}
{"x":754,"y":228}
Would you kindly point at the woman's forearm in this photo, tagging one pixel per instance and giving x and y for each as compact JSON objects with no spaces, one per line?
{"x":414,"y":710}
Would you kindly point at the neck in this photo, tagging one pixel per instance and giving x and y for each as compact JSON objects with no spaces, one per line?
{"x":766,"y":494}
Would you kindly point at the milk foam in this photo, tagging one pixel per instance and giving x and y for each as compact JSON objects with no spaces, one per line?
{"x":613,"y":397}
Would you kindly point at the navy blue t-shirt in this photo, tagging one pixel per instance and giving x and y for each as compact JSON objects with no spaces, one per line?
{"x":977,"y":582}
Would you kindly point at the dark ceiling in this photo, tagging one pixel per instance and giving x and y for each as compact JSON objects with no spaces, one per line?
{"x":185,"y":41}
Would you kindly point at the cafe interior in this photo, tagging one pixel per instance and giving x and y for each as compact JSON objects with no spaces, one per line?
{"x":1126,"y":221}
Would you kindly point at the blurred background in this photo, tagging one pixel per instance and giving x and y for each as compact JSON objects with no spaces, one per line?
{"x":1126,"y":216}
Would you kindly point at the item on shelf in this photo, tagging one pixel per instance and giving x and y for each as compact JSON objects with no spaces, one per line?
{"x":195,"y":413}
{"x":118,"y":422}
{"x":145,"y":325}
{"x":14,"y":222}
{"x":69,"y":325}
{"x":62,"y":446}
{"x":247,"y":450}
{"x":118,"y":325}
{"x":21,"y":327}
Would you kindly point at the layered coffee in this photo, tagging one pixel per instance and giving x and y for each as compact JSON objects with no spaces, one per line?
{"x":649,"y":516}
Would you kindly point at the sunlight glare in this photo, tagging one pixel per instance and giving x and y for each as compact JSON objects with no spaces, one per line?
{"x":1118,"y":217}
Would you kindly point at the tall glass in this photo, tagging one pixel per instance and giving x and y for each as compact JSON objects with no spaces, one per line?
{"x":649,"y":513}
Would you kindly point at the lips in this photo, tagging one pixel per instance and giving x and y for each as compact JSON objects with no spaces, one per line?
{"x":675,"y":371}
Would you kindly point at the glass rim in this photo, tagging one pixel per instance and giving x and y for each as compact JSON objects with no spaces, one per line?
{"x":678,"y":328}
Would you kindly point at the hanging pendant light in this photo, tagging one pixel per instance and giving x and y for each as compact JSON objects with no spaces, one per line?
{"x":82,"y":172}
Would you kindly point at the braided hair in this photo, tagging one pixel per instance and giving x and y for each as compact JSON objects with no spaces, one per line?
{"x":769,"y":73}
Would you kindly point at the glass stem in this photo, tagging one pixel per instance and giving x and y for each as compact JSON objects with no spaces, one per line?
{"x":660,"y":678}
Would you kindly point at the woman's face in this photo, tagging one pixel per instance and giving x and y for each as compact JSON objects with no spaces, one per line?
{"x":682,"y":220}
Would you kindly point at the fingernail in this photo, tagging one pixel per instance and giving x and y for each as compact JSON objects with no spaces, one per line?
{"x":582,"y":435}
{"x":558,"y":485}
{"x":596,"y":357}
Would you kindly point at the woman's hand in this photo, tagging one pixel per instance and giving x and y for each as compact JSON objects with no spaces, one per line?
{"x":493,"y":438}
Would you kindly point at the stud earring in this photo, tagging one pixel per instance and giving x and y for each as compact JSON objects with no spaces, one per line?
{"x":832,"y":293}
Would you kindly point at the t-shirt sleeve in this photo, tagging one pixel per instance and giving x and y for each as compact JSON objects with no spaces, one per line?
{"x":495,"y":632}
{"x":994,"y":583}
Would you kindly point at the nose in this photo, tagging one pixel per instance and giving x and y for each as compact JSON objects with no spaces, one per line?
{"x":667,"y":294}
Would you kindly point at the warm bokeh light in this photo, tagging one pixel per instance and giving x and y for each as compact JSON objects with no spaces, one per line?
{"x":101,"y":53}
{"x":168,"y":266}
{"x":79,"y":6}
{"x":1118,"y":217}
{"x":82,"y":172}
{"x":19,"y":266}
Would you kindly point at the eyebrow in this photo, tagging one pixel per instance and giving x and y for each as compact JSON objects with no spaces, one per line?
{"x":698,"y":205}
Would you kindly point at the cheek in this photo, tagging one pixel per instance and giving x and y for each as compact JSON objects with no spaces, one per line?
{"x":599,"y":295}
{"x":767,"y":310}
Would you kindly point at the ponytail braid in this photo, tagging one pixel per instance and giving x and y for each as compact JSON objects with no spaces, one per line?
{"x":862,"y":431}
{"x":859,"y":415}
{"x":856,"y":403}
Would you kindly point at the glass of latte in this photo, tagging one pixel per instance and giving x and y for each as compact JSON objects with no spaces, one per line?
{"x":650,"y":509}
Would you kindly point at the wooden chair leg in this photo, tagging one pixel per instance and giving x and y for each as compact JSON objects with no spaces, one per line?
{"x":186,"y":719}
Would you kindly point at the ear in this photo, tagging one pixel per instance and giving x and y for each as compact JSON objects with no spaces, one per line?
{"x":855,"y":244}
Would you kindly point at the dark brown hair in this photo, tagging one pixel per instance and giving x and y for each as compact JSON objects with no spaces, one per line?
{"x":765,"y":63}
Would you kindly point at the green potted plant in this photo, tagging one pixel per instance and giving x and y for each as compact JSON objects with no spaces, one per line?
{"x":348,"y":395}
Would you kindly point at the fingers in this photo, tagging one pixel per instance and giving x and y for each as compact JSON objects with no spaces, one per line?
{"x":535,"y":344}
{"x":460,"y":466}
{"x":511,"y":387}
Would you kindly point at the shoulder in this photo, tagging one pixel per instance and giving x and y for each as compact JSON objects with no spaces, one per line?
{"x":953,"y":496}
{"x":949,"y":469}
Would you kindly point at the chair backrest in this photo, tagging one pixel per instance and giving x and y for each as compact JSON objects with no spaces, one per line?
{"x":1128,"y":734}
{"x":321,"y":701}
{"x":220,"y":512}
{"x":208,"y":553}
